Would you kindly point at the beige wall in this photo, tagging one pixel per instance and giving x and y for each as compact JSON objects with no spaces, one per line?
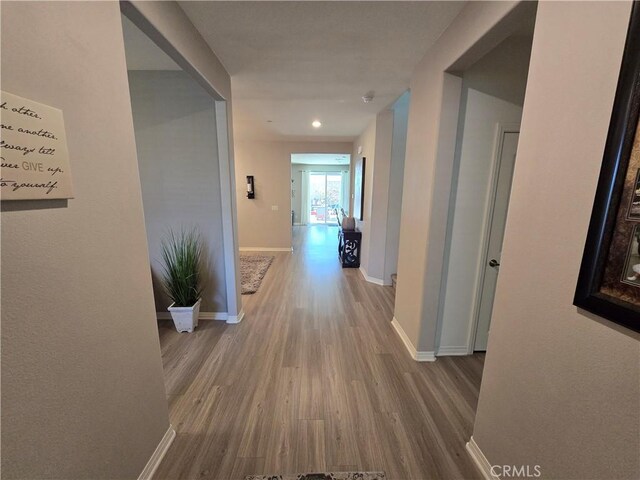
{"x":376,"y":143}
{"x":396,"y":177}
{"x":502,"y":73}
{"x":561,"y":388}
{"x":377,"y":237}
{"x":270,"y":164}
{"x":82,"y":384}
{"x":366,"y":142}
{"x":492,"y":92}
{"x":431,"y":138}
{"x":383,"y":144}
{"x":175,"y":129}
{"x":473,"y":179}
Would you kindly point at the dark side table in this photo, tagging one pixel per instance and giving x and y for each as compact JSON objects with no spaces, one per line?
{"x":349,"y":242}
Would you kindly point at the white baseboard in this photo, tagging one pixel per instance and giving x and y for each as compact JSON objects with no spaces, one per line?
{"x":154,"y":462}
{"x":232,"y":319}
{"x":416,"y":355}
{"x":377,"y":281}
{"x":480,"y":460}
{"x":452,"y":351}
{"x":203,"y":316}
{"x":425,"y":357}
{"x":224,"y":316}
{"x":265,"y":249}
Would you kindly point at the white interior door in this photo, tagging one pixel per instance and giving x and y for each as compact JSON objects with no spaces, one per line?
{"x":499,"y":210}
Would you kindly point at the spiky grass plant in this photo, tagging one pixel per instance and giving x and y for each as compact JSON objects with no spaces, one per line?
{"x":181,"y":255}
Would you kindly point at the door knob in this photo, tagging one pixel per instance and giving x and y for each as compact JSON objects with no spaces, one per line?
{"x":494,"y":263}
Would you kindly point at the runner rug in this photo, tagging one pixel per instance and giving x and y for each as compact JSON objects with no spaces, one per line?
{"x":322,"y":476}
{"x":252,"y":270}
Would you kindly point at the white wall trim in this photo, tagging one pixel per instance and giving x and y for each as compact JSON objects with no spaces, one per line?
{"x":416,"y":355}
{"x":224,"y":316}
{"x":450,"y":351}
{"x":377,"y":281}
{"x":226,"y":162}
{"x":157,"y":456}
{"x":203,"y":316}
{"x":425,"y":357}
{"x":265,"y":249}
{"x":480,"y":460}
{"x":232,"y":319}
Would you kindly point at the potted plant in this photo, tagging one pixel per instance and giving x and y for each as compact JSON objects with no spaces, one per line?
{"x":181,"y":255}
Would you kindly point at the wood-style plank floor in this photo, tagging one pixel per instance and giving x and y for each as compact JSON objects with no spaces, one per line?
{"x":314,"y":379}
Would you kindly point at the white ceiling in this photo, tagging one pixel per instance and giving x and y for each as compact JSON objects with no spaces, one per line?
{"x":293,"y":62}
{"x":320,"y":159}
{"x":141,"y":52}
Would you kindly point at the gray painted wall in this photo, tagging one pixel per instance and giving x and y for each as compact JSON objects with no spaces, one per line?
{"x":431,"y":140}
{"x":168,"y":25}
{"x":82,"y":383}
{"x":560,"y":386}
{"x":175,"y":129}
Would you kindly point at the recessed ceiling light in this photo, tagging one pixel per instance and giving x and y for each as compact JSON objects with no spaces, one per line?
{"x":316,"y":124}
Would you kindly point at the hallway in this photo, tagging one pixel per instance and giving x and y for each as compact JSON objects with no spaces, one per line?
{"x":314,"y":379}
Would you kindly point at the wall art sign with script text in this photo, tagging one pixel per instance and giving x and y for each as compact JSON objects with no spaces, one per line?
{"x":33,"y":150}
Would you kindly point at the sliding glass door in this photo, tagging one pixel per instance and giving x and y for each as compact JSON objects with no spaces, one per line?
{"x":325,"y":190}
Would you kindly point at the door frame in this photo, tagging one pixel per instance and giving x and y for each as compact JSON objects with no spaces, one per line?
{"x":224,"y":131}
{"x":501,"y":130}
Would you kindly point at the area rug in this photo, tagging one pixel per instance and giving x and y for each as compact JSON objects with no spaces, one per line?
{"x":322,"y":476}
{"x":252,"y":270}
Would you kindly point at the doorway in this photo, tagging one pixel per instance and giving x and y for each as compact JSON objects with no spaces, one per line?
{"x":319,"y":187}
{"x":490,"y":110}
{"x":171,"y":106}
{"x":325,"y":190}
{"x":507,"y":145}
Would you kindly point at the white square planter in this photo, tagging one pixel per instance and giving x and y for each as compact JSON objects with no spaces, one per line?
{"x":185,"y":319}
